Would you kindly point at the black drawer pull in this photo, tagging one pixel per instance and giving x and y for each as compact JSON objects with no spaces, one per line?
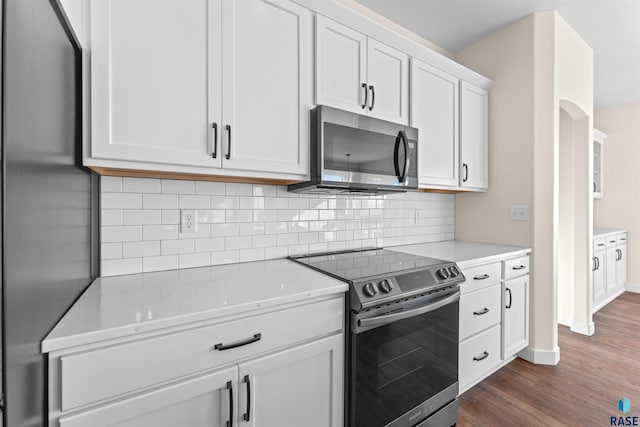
{"x":481,"y":312}
{"x":600,"y":244}
{"x":221,"y":346}
{"x":612,"y":241}
{"x":247,"y":415}
{"x":519,"y":267}
{"x":623,"y":239}
{"x":483,"y":277}
{"x":483,"y":356}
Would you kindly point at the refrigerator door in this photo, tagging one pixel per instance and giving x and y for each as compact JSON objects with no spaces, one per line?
{"x":47,"y":197}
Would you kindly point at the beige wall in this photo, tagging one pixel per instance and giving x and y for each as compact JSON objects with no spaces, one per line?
{"x":620,"y":206}
{"x":531,"y":66}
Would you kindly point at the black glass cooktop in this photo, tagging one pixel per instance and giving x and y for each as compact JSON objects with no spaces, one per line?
{"x":360,"y":264}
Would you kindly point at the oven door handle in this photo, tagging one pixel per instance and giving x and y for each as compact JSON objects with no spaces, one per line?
{"x":388,"y":318}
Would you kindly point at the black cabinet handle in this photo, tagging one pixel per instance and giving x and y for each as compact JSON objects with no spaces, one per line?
{"x":519,"y":267}
{"x":483,"y":356}
{"x":230,"y":388}
{"x":483,"y":277}
{"x":597,"y":263}
{"x":221,"y":346}
{"x":510,"y":298}
{"x":612,"y":241}
{"x":373,"y":97}
{"x":214,"y":154}
{"x":594,"y":187}
{"x":247,"y":415}
{"x":481,"y":312}
{"x":623,"y":239}
{"x":600,"y":244}
{"x":366,"y":95}
{"x":228,"y":155}
{"x":466,"y":172}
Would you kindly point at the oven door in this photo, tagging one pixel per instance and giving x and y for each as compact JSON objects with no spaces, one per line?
{"x":356,"y":149}
{"x":404,"y":361}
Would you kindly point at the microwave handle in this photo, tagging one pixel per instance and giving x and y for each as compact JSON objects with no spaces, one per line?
{"x":401,"y":136}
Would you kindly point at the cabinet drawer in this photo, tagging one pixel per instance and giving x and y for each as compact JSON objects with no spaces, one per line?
{"x":621,"y":238}
{"x":611,"y":241}
{"x":515,"y":267}
{"x":479,"y":276}
{"x":479,"y":355}
{"x":479,"y":310}
{"x":100,"y":374}
{"x":599,"y":244}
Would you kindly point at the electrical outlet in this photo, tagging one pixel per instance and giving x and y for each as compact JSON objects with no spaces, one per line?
{"x":188,"y":221}
{"x":519,"y":213}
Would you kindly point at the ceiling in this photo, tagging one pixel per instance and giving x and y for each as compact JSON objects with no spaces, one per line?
{"x":610,"y":27}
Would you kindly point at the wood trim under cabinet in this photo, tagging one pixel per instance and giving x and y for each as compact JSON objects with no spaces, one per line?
{"x":187,"y":176}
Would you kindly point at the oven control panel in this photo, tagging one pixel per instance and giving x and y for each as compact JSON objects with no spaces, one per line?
{"x":380,"y":290}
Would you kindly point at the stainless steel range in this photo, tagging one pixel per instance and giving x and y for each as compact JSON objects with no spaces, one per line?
{"x":402,"y":345}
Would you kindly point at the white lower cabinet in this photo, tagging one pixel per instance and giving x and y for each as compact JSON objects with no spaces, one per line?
{"x":279,"y":368}
{"x":609,"y":267}
{"x":494,"y":317}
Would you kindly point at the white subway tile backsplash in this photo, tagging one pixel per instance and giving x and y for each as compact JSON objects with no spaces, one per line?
{"x":194,"y":260}
{"x":121,"y":201}
{"x":140,"y":221}
{"x":210,"y":188}
{"x":111,"y":250}
{"x":117,"y":267}
{"x":176,"y":186}
{"x":160,"y":201}
{"x":111,"y":217}
{"x":236,"y":189}
{"x":113,"y":234}
{"x":160,"y":232}
{"x":140,"y":249}
{"x":111,"y":184}
{"x":159,"y":263}
{"x":140,"y":185}
{"x":142,"y":217}
{"x":172,"y":247}
{"x":194,"y":202}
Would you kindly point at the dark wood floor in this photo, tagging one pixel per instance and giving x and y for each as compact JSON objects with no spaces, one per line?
{"x":582,"y":390}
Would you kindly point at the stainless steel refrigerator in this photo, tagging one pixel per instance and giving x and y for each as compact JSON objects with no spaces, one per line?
{"x":49,"y":201}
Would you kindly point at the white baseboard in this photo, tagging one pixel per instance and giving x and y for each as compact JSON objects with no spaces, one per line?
{"x":632,"y":287}
{"x":541,"y":357}
{"x":564,"y":321}
{"x":608,"y":300}
{"x":584,"y":328}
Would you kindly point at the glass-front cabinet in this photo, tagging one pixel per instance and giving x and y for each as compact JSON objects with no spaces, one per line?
{"x":598,"y":163}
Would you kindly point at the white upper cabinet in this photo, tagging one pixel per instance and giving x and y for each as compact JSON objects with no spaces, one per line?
{"x":150,"y":92}
{"x":474,"y":129}
{"x":598,"y":163}
{"x":267,"y":76}
{"x":359,"y":74}
{"x":434,"y":111}
{"x":205,"y":84}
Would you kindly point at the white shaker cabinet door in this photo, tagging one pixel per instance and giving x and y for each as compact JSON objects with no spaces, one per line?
{"x":201,"y":402}
{"x":599,"y":290}
{"x":301,"y":386}
{"x":267,"y":85}
{"x":434,"y":111}
{"x":474,"y":123}
{"x":621,"y":266}
{"x":388,"y":82}
{"x":515,"y":320}
{"x":611,"y":270}
{"x":151,"y":64}
{"x":341,"y":66}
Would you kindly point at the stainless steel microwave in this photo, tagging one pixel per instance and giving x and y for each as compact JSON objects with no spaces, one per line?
{"x":352,"y":153}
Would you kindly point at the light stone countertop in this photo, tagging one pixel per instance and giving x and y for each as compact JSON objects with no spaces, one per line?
{"x":463,"y":253}
{"x":122,"y":306}
{"x":601,"y":232}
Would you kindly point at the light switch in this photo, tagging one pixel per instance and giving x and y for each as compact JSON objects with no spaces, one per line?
{"x":519,"y":213}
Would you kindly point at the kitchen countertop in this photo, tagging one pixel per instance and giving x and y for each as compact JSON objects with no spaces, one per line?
{"x":463,"y":253}
{"x":599,"y":232}
{"x":122,"y":306}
